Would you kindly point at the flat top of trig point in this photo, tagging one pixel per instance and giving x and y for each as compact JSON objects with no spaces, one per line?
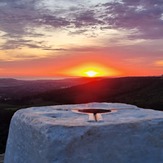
{"x":68,"y":115}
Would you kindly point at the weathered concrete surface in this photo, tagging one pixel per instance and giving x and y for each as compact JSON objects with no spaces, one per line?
{"x":55,"y":134}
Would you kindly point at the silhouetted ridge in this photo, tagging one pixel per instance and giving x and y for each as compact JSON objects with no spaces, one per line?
{"x":142,"y":91}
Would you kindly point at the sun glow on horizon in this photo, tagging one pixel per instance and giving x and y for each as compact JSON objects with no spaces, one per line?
{"x":91,"y":70}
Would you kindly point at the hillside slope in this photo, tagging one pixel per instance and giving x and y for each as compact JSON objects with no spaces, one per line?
{"x":145,"y":92}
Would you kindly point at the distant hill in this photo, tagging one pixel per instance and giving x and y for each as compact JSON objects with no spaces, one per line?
{"x":146,"y":92}
{"x":12,"y":88}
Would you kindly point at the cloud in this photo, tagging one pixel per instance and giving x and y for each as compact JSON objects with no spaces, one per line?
{"x":1,"y":69}
{"x":159,"y":63}
{"x":86,"y":18}
{"x":78,"y":32}
{"x":10,"y":56}
{"x":143,"y":15}
{"x":55,"y":49}
{"x":19,"y":18}
{"x":51,"y":20}
{"x":19,"y":43}
{"x":16,"y":15}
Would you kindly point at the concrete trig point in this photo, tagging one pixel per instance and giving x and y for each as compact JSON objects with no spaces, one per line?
{"x":114,"y":133}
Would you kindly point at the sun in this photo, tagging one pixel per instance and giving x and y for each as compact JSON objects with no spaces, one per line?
{"x":91,"y":70}
{"x":91,"y":73}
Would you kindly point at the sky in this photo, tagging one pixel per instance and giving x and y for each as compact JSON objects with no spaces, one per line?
{"x":62,"y":38}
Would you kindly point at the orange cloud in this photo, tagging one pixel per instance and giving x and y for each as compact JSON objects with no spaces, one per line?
{"x":159,"y":63}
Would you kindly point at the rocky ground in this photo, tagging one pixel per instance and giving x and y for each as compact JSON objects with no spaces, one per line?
{"x":1,"y":158}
